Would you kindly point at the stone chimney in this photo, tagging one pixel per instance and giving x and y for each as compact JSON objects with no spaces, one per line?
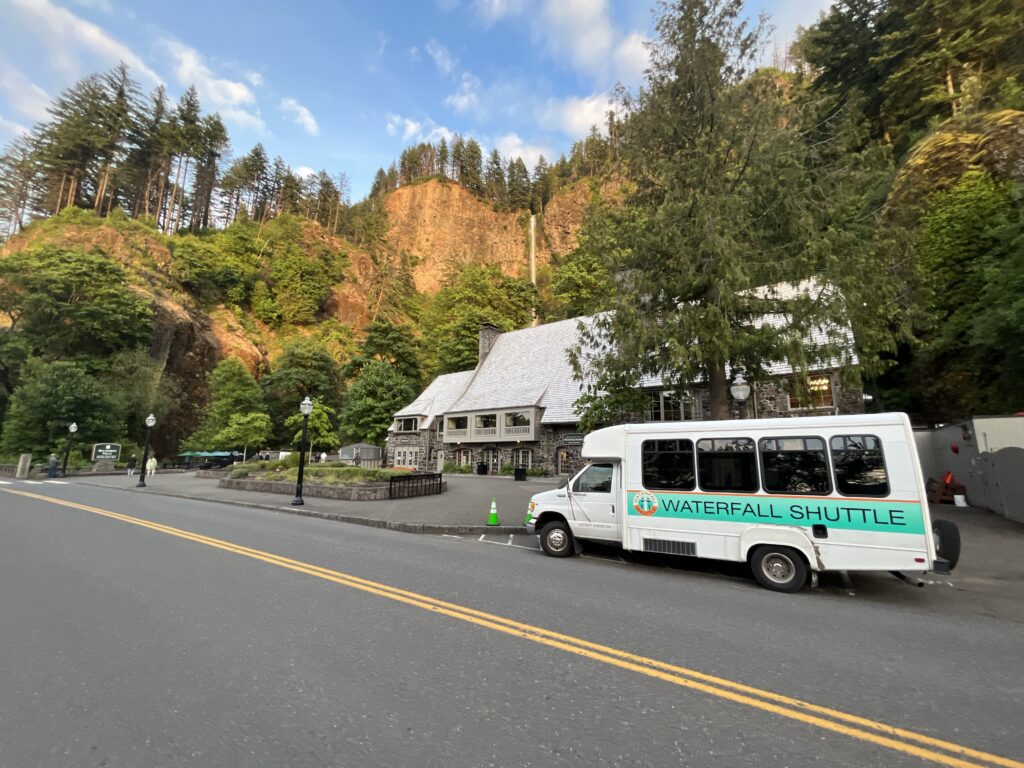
{"x":489,"y":334}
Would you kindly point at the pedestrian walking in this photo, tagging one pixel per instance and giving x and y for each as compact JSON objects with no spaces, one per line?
{"x":151,"y":466}
{"x":132,"y":463}
{"x":51,"y":465}
{"x":323,"y":457}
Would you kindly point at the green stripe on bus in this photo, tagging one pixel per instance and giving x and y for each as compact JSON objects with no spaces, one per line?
{"x":847,"y":514}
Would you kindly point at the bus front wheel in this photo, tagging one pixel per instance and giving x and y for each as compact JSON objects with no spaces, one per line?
{"x":780,"y":569}
{"x":556,"y":539}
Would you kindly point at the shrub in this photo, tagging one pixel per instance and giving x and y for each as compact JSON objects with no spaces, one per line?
{"x":537,"y":472}
{"x":452,"y":468}
{"x":506,"y":469}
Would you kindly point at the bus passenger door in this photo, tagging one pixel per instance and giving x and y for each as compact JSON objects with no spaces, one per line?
{"x":592,"y":500}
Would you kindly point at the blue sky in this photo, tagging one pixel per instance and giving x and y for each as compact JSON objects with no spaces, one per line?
{"x":345,"y":85}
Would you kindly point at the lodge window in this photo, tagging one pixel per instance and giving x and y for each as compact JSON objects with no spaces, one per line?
{"x":668,"y":406}
{"x":463,"y":457}
{"x":815,"y":392}
{"x":408,"y":425}
{"x":794,"y":465}
{"x":486,"y":421}
{"x":859,"y":465}
{"x":522,"y":457}
{"x":458,"y":422}
{"x":597,"y":478}
{"x":517,"y":420}
{"x":668,"y":465}
{"x":727,"y":464}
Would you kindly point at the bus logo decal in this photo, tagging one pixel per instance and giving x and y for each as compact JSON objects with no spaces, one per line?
{"x":645,"y":503}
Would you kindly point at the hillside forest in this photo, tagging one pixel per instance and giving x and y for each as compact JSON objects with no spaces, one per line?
{"x":147,"y":265}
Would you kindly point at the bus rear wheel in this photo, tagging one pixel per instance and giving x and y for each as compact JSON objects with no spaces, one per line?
{"x":780,"y":569}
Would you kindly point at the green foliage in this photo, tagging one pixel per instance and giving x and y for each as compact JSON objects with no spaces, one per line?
{"x":263,"y":305}
{"x":372,"y":401}
{"x":732,"y":193}
{"x":394,"y":344}
{"x":245,"y":429}
{"x":335,"y":475}
{"x":52,"y":396}
{"x":476,"y":295}
{"x":233,"y":392}
{"x":304,"y":368}
{"x":322,"y":430}
{"x":69,"y":303}
{"x":210,"y":271}
{"x":970,"y":250}
{"x":582,"y":284}
{"x":451,"y":468}
{"x":302,"y":271}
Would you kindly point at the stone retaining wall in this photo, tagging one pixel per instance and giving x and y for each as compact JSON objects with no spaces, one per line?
{"x":365,"y":492}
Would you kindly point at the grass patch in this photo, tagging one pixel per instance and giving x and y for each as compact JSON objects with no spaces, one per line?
{"x":327,"y":475}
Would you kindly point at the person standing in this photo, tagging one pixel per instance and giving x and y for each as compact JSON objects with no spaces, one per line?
{"x":132,"y":463}
{"x":51,"y":465}
{"x":323,"y":458}
{"x":151,"y":466}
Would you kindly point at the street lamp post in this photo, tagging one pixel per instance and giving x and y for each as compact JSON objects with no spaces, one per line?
{"x":306,"y":408}
{"x":72,"y":428}
{"x":740,"y":391}
{"x":150,"y":421}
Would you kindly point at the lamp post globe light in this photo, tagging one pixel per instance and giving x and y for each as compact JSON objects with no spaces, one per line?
{"x":740,"y":390}
{"x":305,"y":408}
{"x":72,"y":428}
{"x":150,"y":423}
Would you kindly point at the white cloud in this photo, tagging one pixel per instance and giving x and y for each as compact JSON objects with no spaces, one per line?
{"x":255,"y":78}
{"x":442,"y":57}
{"x":22,"y":94}
{"x":467,"y":96}
{"x":447,"y":5}
{"x":68,"y":36}
{"x":304,"y":172}
{"x":191,"y":69}
{"x":413,"y":53}
{"x":382,"y":44}
{"x":11,"y":128}
{"x":575,"y":115}
{"x":511,"y":145}
{"x":96,"y":5}
{"x":300,"y":115}
{"x":416,"y":130}
{"x":631,"y":58}
{"x":241,"y":118}
{"x":490,"y":11}
{"x":583,"y":29}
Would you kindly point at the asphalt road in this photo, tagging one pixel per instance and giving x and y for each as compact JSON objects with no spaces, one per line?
{"x":150,"y":631}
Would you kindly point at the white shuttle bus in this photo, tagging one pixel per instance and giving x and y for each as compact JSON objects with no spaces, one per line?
{"x":791,"y":497}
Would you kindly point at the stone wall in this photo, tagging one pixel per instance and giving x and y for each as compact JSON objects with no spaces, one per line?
{"x":364,"y":492}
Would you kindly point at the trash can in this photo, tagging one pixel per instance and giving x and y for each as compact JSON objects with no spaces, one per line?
{"x":519,"y":473}
{"x":481,"y":468}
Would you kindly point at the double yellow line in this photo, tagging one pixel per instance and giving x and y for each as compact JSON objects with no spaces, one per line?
{"x":898,"y":739}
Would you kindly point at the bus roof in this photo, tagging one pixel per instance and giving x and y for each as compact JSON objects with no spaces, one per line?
{"x":610,"y":442}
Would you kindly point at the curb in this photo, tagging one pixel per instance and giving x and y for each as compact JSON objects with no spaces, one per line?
{"x":391,"y":525}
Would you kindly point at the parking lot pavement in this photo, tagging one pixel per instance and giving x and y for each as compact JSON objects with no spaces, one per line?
{"x":466,"y":502}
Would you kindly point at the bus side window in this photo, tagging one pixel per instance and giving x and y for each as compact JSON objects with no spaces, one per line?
{"x":796,"y":465}
{"x":727,"y":464}
{"x":668,"y":465}
{"x":859,"y":465}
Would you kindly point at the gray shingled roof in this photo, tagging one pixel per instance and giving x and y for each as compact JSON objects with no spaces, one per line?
{"x":526,"y":368}
{"x":437,"y":398}
{"x":530,"y":368}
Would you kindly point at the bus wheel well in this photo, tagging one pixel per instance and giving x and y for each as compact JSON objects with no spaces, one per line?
{"x":548,"y":517}
{"x":753,"y":548}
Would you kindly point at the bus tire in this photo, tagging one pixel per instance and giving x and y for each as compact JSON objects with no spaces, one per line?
{"x":780,"y":569}
{"x":556,"y":539}
{"x":947,"y":541}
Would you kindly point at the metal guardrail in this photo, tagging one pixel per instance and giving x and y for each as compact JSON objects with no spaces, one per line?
{"x":421,"y":484}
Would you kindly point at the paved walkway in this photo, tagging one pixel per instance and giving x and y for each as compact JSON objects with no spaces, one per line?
{"x":462,"y":509}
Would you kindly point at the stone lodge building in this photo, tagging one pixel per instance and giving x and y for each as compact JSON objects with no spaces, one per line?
{"x":517,"y":406}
